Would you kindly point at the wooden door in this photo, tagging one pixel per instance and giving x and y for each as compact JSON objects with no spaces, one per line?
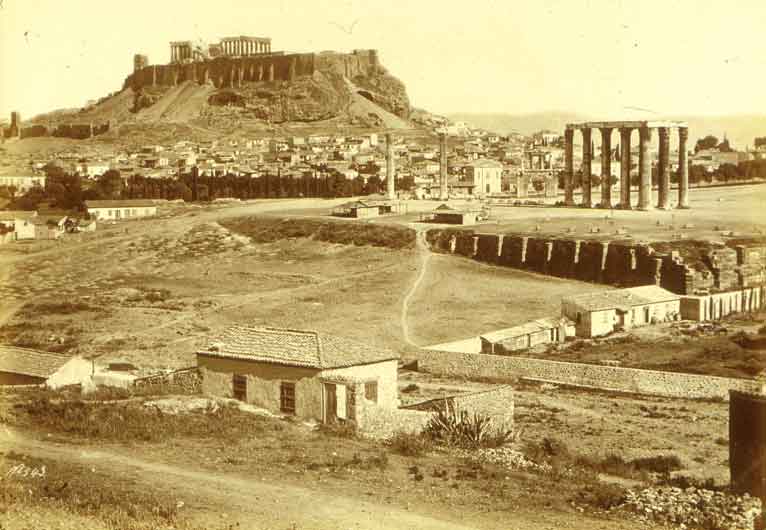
{"x":331,"y":403}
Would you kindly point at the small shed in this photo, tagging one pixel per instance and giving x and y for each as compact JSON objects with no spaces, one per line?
{"x":601,"y":313}
{"x":540,"y":331}
{"x":22,"y":366}
{"x":357,"y":210}
{"x":446,"y":214}
{"x":297,"y":372}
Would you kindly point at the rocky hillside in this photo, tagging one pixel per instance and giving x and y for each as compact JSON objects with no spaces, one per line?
{"x":304,"y":89}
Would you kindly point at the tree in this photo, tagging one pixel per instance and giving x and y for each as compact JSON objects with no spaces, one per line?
{"x":759,"y":142}
{"x":110,"y":185}
{"x":724,"y":146}
{"x":708,"y":142}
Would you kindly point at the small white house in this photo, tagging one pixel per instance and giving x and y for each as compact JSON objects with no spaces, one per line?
{"x":601,"y":313}
{"x":121,"y":209}
{"x":20,"y":222}
{"x":22,"y":366}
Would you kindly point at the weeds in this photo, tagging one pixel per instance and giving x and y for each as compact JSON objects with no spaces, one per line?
{"x":410,"y":444}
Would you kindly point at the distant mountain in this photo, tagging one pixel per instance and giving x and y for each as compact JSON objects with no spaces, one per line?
{"x":739,"y":129}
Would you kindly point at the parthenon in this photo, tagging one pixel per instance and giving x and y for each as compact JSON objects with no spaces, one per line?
{"x":242,"y":46}
{"x":645,"y":131}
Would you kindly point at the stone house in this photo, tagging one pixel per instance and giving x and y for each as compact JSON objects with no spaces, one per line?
{"x":601,"y":313}
{"x":22,"y":366}
{"x":300,"y":373}
{"x":20,"y":222}
{"x":109,"y":210}
{"x":714,"y":306}
{"x":485,"y":175}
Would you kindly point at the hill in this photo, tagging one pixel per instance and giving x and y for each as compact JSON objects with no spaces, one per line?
{"x":739,"y":129}
{"x":323,"y":91}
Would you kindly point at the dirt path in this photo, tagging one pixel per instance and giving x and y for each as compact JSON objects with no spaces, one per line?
{"x":253,"y":503}
{"x":425,"y":256}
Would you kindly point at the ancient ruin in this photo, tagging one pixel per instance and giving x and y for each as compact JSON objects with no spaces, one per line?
{"x":242,"y":46}
{"x":645,"y":130}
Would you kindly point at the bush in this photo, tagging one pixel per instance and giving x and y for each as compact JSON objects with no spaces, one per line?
{"x":658,"y":464}
{"x":455,"y":427}
{"x":340,"y":429}
{"x":602,"y":495}
{"x":410,"y":444}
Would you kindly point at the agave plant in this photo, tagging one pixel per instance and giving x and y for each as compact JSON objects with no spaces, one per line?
{"x":456,"y":427}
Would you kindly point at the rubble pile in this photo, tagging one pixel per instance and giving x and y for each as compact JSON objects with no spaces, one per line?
{"x":510,"y":458}
{"x":693,"y":508}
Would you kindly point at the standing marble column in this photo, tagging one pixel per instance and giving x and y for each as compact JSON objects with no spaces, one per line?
{"x":606,"y":167}
{"x":569,"y":167}
{"x":625,"y":163}
{"x":683,"y":168}
{"x":645,"y":169}
{"x":663,"y":170}
{"x":586,"y":167}
{"x":390,"y":170}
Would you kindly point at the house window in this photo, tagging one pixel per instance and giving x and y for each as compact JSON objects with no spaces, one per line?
{"x":371,"y":391}
{"x":239,"y":387}
{"x":287,"y":397}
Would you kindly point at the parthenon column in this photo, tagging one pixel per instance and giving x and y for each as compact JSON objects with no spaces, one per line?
{"x":586,"y":171}
{"x":625,"y":164}
{"x":569,"y":167}
{"x":683,"y":168}
{"x":645,"y":168}
{"x":606,"y":167}
{"x":663,"y":170}
{"x":443,"y":175}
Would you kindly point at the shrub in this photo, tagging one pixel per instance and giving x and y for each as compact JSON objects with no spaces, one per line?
{"x":455,"y":427}
{"x":410,"y":444}
{"x":602,"y":495}
{"x":658,"y":464}
{"x":340,"y":429}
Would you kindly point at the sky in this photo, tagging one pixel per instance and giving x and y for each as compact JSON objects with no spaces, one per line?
{"x":601,"y":58}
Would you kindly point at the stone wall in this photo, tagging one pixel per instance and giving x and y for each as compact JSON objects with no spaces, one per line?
{"x":66,"y":130}
{"x":632,"y":380}
{"x":184,"y":381}
{"x":622,"y":263}
{"x":747,"y":443}
{"x":229,"y":72}
{"x":383,"y":422}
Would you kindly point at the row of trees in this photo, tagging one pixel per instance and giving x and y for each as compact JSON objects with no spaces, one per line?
{"x":69,"y":192}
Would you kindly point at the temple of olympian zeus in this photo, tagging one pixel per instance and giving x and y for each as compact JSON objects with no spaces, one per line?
{"x":645,"y":133}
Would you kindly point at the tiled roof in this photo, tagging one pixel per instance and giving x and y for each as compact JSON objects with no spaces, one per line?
{"x":623,"y":298}
{"x":126,"y":203}
{"x":294,"y":348}
{"x":534,"y":326}
{"x":30,"y":362}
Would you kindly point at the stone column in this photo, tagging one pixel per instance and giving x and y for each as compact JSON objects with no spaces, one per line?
{"x":586,"y":171}
{"x":569,"y":167}
{"x":683,"y":168}
{"x":390,"y":170}
{"x":443,"y":190}
{"x":172,"y":53}
{"x":645,"y":169}
{"x":663,"y":170}
{"x":625,"y":163}
{"x":606,"y":167}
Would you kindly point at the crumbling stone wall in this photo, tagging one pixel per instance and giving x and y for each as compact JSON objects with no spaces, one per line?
{"x":184,"y":381}
{"x":747,"y":442}
{"x":621,"y":263}
{"x":634,"y":380}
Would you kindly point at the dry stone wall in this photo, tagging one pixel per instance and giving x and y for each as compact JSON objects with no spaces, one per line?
{"x":184,"y":381}
{"x":671,"y":384}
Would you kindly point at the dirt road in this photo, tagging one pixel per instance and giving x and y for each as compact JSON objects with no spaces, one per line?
{"x":255,"y":504}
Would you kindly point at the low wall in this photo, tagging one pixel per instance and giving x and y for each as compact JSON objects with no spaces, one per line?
{"x":184,"y":381}
{"x":380,"y":422}
{"x":634,"y":380}
{"x":747,"y":443}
